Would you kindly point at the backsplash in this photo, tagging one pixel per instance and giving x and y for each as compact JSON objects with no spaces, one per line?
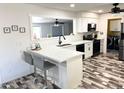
{"x":54,"y":40}
{"x":92,"y":35}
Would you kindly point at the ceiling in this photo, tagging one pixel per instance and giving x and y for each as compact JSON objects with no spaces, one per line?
{"x":87,"y":7}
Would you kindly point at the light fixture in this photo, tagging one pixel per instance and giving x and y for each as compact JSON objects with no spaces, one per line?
{"x":100,"y":11}
{"x":72,"y":5}
{"x":56,"y":23}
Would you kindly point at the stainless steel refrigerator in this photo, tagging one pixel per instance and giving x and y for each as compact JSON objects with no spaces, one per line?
{"x":121,"y":45}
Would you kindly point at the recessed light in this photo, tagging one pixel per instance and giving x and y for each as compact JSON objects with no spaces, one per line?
{"x":100,"y":11}
{"x":72,"y":5}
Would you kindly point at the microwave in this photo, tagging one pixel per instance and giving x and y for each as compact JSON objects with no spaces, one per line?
{"x":91,"y":27}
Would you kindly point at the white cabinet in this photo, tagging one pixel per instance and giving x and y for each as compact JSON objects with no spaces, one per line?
{"x":83,"y":24}
{"x":88,"y":50}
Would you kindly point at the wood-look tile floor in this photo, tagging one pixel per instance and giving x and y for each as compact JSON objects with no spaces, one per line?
{"x":101,"y":72}
{"x":27,"y":82}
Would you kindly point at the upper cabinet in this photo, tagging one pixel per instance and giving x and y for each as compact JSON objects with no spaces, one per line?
{"x":83,"y":24}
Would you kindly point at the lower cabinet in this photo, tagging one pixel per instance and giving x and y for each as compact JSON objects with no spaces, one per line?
{"x":88,"y":50}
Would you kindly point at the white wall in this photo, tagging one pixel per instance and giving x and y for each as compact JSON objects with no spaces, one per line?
{"x":102,"y":26}
{"x":11,"y":45}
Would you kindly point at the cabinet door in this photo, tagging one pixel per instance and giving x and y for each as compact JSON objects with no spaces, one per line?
{"x":88,"y":50}
{"x":82,"y":25}
{"x":92,"y":20}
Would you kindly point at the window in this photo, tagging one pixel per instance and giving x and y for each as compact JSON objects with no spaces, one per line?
{"x":36,"y":32}
{"x":115,"y":25}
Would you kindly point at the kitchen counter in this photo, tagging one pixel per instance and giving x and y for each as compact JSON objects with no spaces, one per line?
{"x":68,"y":70}
{"x":58,"y":54}
{"x":61,"y":54}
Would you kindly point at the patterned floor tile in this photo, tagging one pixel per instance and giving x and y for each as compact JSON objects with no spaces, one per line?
{"x":27,"y":82}
{"x":103,"y":72}
{"x":100,"y":72}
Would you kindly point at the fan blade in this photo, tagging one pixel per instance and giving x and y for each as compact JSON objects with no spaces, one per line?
{"x":121,"y":10}
{"x":61,"y":23}
{"x":115,"y":4}
{"x":57,"y":22}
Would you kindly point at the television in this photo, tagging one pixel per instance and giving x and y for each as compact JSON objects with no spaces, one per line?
{"x":91,"y":27}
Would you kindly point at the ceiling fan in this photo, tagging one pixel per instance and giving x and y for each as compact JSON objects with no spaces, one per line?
{"x":57,"y":22}
{"x":116,"y":9}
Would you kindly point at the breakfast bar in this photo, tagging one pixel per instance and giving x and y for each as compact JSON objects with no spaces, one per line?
{"x":66,"y":62}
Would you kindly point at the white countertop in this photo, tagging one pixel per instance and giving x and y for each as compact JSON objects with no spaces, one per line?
{"x":78,"y":42}
{"x":60,"y":54}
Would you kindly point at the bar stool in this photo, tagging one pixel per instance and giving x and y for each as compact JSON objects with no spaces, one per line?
{"x":40,"y":63}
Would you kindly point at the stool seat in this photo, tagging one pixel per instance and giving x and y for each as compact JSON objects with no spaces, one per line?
{"x":28,"y":58}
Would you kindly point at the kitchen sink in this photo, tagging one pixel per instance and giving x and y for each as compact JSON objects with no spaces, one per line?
{"x":63,"y":45}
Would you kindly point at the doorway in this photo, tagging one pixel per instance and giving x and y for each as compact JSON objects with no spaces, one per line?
{"x":113,"y":35}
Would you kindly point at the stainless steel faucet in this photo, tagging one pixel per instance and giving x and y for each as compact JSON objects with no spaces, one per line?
{"x":60,"y":41}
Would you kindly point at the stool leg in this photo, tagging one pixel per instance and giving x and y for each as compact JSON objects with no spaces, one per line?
{"x":35,"y":80}
{"x":34,"y":70}
{"x":45,"y":76}
{"x":45,"y":83}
